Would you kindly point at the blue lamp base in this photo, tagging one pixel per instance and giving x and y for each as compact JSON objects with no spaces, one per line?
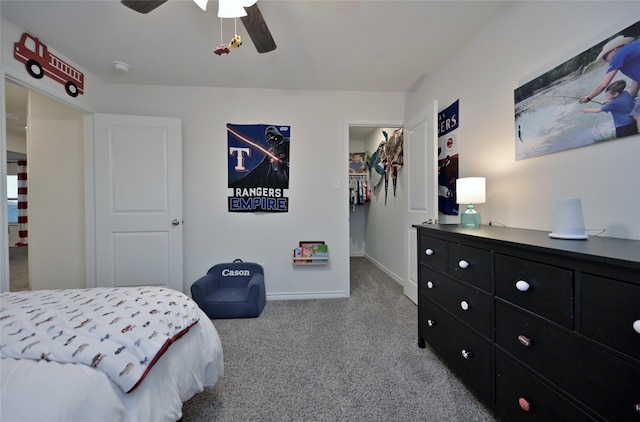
{"x":470,"y":218}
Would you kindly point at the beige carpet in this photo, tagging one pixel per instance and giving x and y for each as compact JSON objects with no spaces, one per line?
{"x":334,"y":360}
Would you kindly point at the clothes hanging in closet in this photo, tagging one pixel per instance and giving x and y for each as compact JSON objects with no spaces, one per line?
{"x":359,"y":191}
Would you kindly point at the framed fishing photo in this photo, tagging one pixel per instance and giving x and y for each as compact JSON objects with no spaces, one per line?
{"x":586,"y":100}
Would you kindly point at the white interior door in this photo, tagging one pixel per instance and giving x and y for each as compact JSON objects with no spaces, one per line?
{"x":138,"y":201}
{"x":421,"y":145}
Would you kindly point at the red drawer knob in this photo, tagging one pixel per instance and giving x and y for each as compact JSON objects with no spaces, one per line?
{"x":524,"y":404}
{"x":524,"y":340}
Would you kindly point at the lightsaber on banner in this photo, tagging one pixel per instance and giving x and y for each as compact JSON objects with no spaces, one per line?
{"x":254,"y":144}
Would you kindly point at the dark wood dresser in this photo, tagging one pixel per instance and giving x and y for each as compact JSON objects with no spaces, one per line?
{"x":538,"y":328}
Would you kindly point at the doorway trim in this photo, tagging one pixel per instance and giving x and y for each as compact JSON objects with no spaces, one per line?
{"x":23,"y":80}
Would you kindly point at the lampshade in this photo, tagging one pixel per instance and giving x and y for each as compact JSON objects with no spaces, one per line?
{"x":230,"y":9}
{"x":471,"y":190}
{"x":247,"y":3}
{"x":202,"y":4}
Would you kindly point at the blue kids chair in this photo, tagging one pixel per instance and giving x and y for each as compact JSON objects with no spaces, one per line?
{"x":231,"y":290}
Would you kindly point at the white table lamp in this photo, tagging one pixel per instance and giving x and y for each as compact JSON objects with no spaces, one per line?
{"x":470,"y":190}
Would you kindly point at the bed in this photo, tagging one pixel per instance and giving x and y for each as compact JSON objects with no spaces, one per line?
{"x":121,"y":354}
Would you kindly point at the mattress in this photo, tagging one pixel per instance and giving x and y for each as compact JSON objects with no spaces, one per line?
{"x":46,"y":389}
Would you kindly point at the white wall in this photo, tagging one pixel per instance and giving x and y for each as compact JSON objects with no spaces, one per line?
{"x":525,"y":40}
{"x":319,"y":149}
{"x":16,"y":144}
{"x":385,"y":222}
{"x":94,"y":87}
{"x":55,"y":194}
{"x":56,"y":250}
{"x":54,"y":148}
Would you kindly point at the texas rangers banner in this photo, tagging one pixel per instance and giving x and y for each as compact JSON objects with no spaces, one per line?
{"x":448,"y":159}
{"x":258,"y":162}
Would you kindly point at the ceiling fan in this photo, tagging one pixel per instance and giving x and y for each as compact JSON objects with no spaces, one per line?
{"x":253,"y":22}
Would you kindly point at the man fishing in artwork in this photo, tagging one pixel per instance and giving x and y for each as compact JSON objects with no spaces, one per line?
{"x":622,"y":54}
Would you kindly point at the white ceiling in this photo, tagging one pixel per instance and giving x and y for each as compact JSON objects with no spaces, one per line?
{"x":371,"y":45}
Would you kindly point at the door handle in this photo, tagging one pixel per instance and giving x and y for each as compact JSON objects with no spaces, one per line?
{"x":175,"y":222}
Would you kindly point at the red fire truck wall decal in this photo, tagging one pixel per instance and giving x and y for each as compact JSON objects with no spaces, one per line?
{"x":40,"y":62}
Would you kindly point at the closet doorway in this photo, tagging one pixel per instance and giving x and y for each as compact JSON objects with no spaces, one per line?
{"x":369,"y":204}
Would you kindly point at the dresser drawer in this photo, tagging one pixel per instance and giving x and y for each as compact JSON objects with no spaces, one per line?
{"x":606,"y":384}
{"x":469,"y":304}
{"x":610,"y":313}
{"x":521,"y":396}
{"x":433,"y":252}
{"x":465,"y":352}
{"x":543,"y":289}
{"x":471,"y":265}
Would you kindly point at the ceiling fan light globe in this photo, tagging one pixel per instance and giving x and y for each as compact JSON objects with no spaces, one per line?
{"x":202,"y":4}
{"x":230,"y":9}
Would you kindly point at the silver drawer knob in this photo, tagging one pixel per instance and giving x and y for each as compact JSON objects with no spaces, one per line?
{"x":636,"y":326}
{"x":430,"y":284}
{"x":463,"y":264}
{"x":464,"y":305}
{"x":524,"y":340}
{"x":429,"y":251}
{"x":522,"y":285}
{"x":466,"y":354}
{"x":431,"y":322}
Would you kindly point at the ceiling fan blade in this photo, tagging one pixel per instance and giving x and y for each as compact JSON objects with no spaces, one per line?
{"x":142,"y":6}
{"x":258,"y":30}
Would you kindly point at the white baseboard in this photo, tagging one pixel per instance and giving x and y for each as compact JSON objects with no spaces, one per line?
{"x":397,"y":279}
{"x":299,"y":296}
